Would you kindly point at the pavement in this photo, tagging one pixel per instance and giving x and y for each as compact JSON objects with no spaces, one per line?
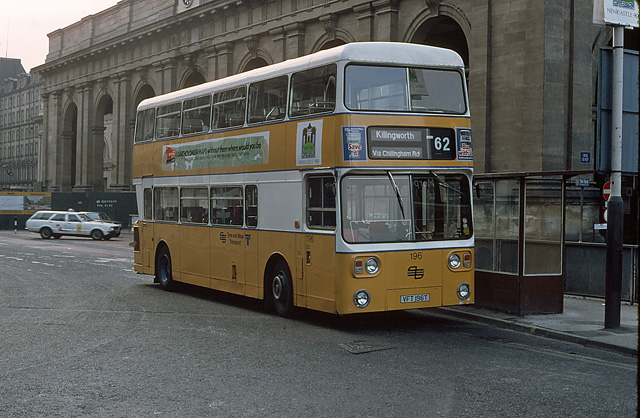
{"x":582,"y":322}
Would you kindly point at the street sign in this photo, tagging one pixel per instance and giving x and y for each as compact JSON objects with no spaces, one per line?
{"x":604,"y":215}
{"x":606,"y":190}
{"x":616,"y":12}
{"x":585,"y":157}
{"x":582,"y":182}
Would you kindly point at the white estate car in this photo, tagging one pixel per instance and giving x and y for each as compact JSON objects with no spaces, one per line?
{"x":102,"y":217}
{"x":57,"y":223}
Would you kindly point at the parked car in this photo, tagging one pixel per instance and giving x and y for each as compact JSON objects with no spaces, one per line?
{"x":57,"y":223}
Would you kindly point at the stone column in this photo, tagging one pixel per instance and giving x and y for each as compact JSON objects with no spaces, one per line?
{"x":95,"y":165}
{"x":166,"y":70}
{"x":386,"y":20}
{"x":64,"y":163}
{"x":210,"y":56}
{"x":85,"y":144}
{"x":279,"y":50}
{"x":480,"y":75}
{"x":364,"y":15}
{"x":122,"y":132}
{"x":43,"y":155}
{"x":224,"y":60}
{"x":294,"y":40}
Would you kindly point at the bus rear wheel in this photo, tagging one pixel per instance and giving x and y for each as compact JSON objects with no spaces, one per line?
{"x":163,"y":269}
{"x":282,"y":290}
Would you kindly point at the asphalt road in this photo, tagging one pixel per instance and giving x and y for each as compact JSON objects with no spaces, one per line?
{"x":84,"y":336}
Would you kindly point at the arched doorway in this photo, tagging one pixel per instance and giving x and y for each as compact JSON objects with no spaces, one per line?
{"x":331,"y":44}
{"x":193,"y":79}
{"x":145,"y":92}
{"x":255,"y":63}
{"x":67,"y":148}
{"x":444,"y":32}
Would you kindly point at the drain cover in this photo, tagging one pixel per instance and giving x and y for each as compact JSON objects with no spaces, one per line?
{"x":361,"y":347}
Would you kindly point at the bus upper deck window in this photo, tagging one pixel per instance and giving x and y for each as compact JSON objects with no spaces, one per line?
{"x":196,"y":115}
{"x":376,"y":88}
{"x":313,"y":91}
{"x":168,"y":121}
{"x":268,"y":100}
{"x":440,"y":91}
{"x":229,"y":108}
{"x":145,"y":122}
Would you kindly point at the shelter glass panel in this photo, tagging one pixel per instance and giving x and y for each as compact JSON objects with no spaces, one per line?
{"x":543,"y":227}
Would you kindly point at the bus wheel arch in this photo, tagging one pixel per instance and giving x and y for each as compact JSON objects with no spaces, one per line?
{"x":278,"y":286}
{"x":163,"y":270}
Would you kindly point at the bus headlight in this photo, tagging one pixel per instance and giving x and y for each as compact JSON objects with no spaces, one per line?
{"x":372,"y":265}
{"x":361,"y":298}
{"x":454,"y":261}
{"x":464,"y":291}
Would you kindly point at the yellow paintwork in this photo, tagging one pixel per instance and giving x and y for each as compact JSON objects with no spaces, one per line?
{"x":282,"y":145}
{"x":235,"y":259}
{"x":323,"y":280}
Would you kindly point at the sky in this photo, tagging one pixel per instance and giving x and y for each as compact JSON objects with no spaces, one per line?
{"x":24,"y":25}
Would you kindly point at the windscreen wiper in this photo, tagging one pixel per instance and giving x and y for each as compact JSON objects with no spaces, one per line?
{"x":446,"y":185}
{"x":397,"y":190}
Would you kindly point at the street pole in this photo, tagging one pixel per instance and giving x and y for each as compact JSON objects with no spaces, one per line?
{"x":613,"y":284}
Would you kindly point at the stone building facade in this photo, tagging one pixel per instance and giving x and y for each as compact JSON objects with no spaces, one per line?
{"x":531,"y":70}
{"x":20,"y":131}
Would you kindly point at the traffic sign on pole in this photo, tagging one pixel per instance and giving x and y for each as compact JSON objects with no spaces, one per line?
{"x":606,"y":190}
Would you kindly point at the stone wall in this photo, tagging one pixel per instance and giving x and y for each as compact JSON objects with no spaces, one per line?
{"x":530,"y":69}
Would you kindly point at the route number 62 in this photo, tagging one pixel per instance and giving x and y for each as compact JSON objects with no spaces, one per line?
{"x":442,"y":144}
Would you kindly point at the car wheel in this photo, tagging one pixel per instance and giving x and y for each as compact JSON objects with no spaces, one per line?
{"x":46,"y":233}
{"x":96,"y":234}
{"x":282,"y":290}
{"x":163,"y":269}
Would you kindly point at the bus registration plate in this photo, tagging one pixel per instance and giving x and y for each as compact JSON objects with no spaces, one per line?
{"x":414,"y":298}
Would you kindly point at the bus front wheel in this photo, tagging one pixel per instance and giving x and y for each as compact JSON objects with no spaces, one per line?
{"x":282,"y":290}
{"x":163,"y":269}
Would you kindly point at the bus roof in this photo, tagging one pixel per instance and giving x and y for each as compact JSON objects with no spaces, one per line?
{"x":363,"y":52}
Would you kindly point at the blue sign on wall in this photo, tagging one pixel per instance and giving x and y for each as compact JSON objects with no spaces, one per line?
{"x":629,"y":115}
{"x":585,"y":157}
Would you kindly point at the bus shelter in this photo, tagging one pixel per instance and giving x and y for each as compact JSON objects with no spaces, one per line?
{"x":519,"y":241}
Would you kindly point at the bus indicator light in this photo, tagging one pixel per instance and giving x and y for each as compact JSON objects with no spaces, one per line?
{"x":466,"y":260}
{"x":358,"y":266}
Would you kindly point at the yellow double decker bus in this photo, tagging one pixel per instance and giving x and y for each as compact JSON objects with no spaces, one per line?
{"x":339,"y":181}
